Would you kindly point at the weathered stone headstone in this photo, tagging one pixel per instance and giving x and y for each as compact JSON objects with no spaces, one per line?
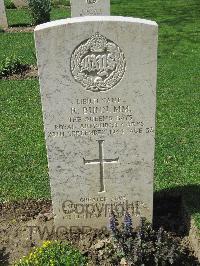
{"x":90,"y":8}
{"x":20,"y":3}
{"x":98,"y":89}
{"x":3,"y":18}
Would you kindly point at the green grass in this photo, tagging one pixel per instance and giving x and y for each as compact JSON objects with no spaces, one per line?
{"x":23,"y":157}
{"x":178,"y":109}
{"x":18,"y":17}
{"x":22,"y":17}
{"x":60,"y":13}
{"x":9,"y":4}
{"x":20,"y":44}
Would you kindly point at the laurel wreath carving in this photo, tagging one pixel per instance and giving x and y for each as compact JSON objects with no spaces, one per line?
{"x":96,"y":83}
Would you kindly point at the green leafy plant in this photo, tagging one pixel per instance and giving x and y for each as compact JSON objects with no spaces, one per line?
{"x":146,"y":246}
{"x":57,"y":3}
{"x":11,"y":65}
{"x":40,"y":11}
{"x":52,"y":254}
{"x":9,"y":4}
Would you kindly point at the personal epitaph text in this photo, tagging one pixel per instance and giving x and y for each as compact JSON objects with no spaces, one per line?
{"x":98,"y":89}
{"x":3,"y":18}
{"x":90,"y":8}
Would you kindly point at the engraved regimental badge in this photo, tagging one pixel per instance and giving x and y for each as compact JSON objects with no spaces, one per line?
{"x":98,"y":64}
{"x":91,"y":1}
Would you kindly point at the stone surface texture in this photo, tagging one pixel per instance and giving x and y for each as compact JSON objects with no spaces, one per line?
{"x":3,"y":18}
{"x":98,"y":89}
{"x":90,"y":8}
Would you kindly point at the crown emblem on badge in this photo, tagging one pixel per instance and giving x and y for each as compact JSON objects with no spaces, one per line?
{"x":98,"y":64}
{"x":98,"y":43}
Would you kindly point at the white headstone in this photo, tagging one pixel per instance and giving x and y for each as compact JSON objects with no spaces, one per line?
{"x":98,"y":89}
{"x":90,"y":8}
{"x":3,"y":18}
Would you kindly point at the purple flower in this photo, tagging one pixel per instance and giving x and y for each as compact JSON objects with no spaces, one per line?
{"x":112,"y":222}
{"x":127,"y":221}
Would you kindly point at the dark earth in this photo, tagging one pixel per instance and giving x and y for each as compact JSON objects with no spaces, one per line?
{"x":25,"y":72}
{"x":19,"y":29}
{"x":22,"y":227}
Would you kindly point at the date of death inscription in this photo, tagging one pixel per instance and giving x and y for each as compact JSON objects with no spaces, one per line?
{"x":100,"y":117}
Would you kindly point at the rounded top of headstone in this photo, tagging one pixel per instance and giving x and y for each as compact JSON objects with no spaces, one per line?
{"x":86,"y":19}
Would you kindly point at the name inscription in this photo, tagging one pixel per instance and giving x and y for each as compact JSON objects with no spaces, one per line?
{"x":100,"y":117}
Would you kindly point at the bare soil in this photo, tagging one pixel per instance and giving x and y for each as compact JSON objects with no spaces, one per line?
{"x":27,"y":72}
{"x":19,"y":29}
{"x":26,"y":224}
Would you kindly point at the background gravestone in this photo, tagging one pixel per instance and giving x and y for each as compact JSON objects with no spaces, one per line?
{"x":3,"y":18}
{"x":98,"y":89}
{"x":90,"y":8}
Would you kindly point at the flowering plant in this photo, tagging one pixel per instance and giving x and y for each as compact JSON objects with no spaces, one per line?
{"x":52,"y":254}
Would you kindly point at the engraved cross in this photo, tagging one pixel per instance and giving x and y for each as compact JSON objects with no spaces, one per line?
{"x":101,"y":161}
